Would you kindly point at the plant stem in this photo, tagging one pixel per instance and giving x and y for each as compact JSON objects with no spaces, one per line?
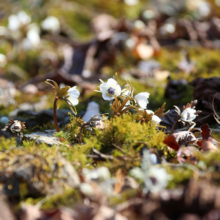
{"x":80,"y":133}
{"x":55,"y":114}
{"x":112,"y":114}
{"x":174,"y":125}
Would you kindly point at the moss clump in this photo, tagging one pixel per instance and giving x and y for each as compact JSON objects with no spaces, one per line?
{"x":6,"y":144}
{"x":125,"y":131}
{"x":181,"y":174}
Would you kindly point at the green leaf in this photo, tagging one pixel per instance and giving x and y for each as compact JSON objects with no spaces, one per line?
{"x":58,"y":103}
{"x":63,"y":92}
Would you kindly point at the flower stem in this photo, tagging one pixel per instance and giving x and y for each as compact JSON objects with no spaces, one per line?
{"x":174,"y":125}
{"x":112,"y":114}
{"x":55,"y":114}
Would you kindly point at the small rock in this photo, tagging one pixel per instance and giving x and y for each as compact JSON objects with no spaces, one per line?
{"x":44,"y":137}
{"x":13,"y":113}
{"x":30,"y":89}
{"x":39,"y":173}
{"x":4,"y":120}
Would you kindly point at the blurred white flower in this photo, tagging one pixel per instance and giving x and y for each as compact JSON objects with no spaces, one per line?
{"x":167,"y":28}
{"x":100,"y":174}
{"x":33,"y":34}
{"x":201,"y":6}
{"x":130,"y":43}
{"x":3,"y":60}
{"x":156,"y":179}
{"x":142,"y":99}
{"x":131,"y":2}
{"x":91,"y":110}
{"x":86,"y":189}
{"x":19,"y":20}
{"x":155,"y":118}
{"x":139,"y":25}
{"x":149,"y":14}
{"x":188,"y":115}
{"x":110,"y":89}
{"x":73,"y":95}
{"x":52,"y":24}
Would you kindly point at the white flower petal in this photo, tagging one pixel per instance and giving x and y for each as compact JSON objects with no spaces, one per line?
{"x":149,"y":112}
{"x":103,"y":87}
{"x":106,"y":97}
{"x":74,"y":101}
{"x":188,"y":115}
{"x":142,"y":103}
{"x":118,"y":90}
{"x":73,"y":92}
{"x":142,"y":99}
{"x":112,"y":82}
{"x":156,"y":119}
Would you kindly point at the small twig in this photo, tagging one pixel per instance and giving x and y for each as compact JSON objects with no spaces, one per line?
{"x":119,"y":148}
{"x":80,"y":133}
{"x":100,"y":156}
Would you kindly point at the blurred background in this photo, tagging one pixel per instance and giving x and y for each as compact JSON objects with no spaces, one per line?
{"x":168,"y":48}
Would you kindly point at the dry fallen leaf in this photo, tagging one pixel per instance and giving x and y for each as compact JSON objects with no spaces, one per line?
{"x":120,"y":181}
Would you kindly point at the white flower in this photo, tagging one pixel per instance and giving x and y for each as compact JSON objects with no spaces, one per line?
{"x":73,"y":94}
{"x":110,"y":89}
{"x":156,"y":179}
{"x":3,"y":60}
{"x":142,"y":99}
{"x":51,"y":23}
{"x":154,"y":118}
{"x":188,"y":115}
{"x":16,"y":126}
{"x":17,"y":21}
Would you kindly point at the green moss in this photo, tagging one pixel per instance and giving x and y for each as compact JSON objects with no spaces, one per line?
{"x":181,"y":174}
{"x":123,"y":197}
{"x":69,"y":199}
{"x":125,"y":131}
{"x":6,"y":144}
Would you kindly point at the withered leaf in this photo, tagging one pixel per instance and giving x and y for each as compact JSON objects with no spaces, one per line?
{"x":160,"y":112}
{"x":206,"y":132}
{"x":120,"y":181}
{"x":184,"y":138}
{"x":190,"y":105}
{"x":171,"y":142}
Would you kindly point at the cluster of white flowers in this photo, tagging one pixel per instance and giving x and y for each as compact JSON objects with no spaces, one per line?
{"x":32,"y":39}
{"x":111,"y":88}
